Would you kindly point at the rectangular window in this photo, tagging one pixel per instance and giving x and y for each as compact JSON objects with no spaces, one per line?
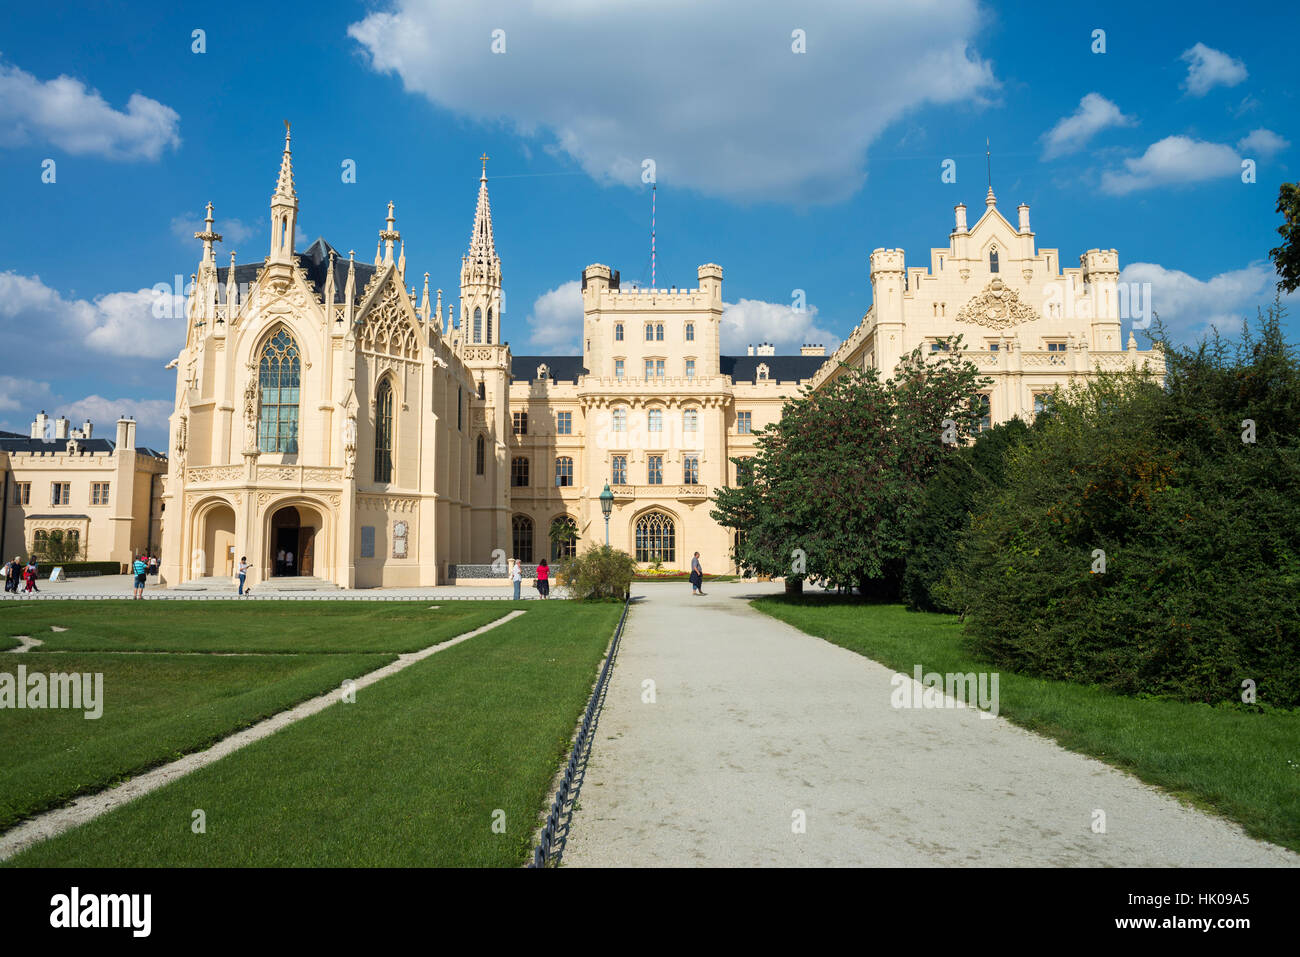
{"x":618,"y":468}
{"x":655,"y":419}
{"x":367,"y":541}
{"x":22,"y":493}
{"x":659,"y":332}
{"x":521,"y":423}
{"x":99,"y":493}
{"x":690,"y":332}
{"x":620,"y":420}
{"x":618,"y":332}
{"x":744,"y":423}
{"x":649,"y":333}
{"x":655,"y":470}
{"x":1042,"y":402}
{"x":691,"y":470}
{"x":60,"y":493}
{"x":564,"y":423}
{"x":1056,"y":347}
{"x":984,"y":409}
{"x":690,"y":368}
{"x":649,"y":368}
{"x":995,"y":346}
{"x":938,"y":347}
{"x":618,"y":368}
{"x":691,"y":420}
{"x":659,"y":368}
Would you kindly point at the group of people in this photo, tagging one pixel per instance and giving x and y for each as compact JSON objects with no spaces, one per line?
{"x":543,"y":577}
{"x":16,"y":573}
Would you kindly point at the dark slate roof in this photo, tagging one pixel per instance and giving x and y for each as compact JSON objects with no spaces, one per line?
{"x":315,"y":260}
{"x":780,"y":368}
{"x":524,"y":368}
{"x":23,"y":443}
{"x":11,"y":435}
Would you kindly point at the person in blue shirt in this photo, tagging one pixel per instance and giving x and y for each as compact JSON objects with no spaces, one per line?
{"x":141,"y":568}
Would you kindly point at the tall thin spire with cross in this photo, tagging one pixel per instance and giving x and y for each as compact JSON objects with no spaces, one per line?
{"x":989,"y":200}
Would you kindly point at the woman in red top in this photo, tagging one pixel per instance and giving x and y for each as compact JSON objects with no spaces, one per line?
{"x":544,"y":579}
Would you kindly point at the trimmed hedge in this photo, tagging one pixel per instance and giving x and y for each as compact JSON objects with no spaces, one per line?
{"x":84,"y":569}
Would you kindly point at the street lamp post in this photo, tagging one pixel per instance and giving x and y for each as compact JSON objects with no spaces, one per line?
{"x":606,"y":506}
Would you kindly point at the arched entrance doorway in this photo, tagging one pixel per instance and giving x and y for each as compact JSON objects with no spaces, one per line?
{"x":293,"y":541}
{"x":215,"y":542}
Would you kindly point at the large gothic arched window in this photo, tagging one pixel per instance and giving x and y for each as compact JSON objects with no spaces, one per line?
{"x":478,"y":325}
{"x":655,"y":538}
{"x":384,"y":431}
{"x":489,"y":326}
{"x":279,"y":376}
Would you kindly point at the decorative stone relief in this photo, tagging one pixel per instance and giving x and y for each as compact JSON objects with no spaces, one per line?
{"x":997,"y":307}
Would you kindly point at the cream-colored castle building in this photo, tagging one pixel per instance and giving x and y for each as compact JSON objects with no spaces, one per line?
{"x":103,"y":497}
{"x":332,"y":421}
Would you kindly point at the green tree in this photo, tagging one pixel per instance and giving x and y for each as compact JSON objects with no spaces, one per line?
{"x":1287,"y":256}
{"x":599,"y":573}
{"x":836,"y":480}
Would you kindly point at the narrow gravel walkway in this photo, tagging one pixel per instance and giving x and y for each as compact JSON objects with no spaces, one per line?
{"x":754,"y":721}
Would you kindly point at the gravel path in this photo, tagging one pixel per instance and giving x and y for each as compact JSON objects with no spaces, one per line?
{"x":754,"y":721}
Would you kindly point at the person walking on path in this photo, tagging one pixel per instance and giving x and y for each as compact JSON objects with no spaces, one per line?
{"x":29,"y":576}
{"x":697,"y":575}
{"x":141,"y":568}
{"x":243,"y":572}
{"x":517,"y":576}
{"x":12,"y":572}
{"x":544,"y":579}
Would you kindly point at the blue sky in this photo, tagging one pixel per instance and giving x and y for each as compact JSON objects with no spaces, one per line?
{"x":786,"y":168}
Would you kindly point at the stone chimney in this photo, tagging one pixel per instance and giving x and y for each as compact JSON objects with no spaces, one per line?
{"x":1023,"y":209}
{"x":960,"y":210}
{"x":812,"y":350}
{"x":766,"y":349}
{"x":749,"y":352}
{"x":125,"y":434}
{"x":40,"y":424}
{"x":87,"y":429}
{"x":61,"y":427}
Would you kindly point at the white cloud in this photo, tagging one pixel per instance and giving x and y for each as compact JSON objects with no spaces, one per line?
{"x":1173,"y":160}
{"x":711,"y":92}
{"x":233,"y":231}
{"x":1189,"y":306}
{"x":751,"y":321}
{"x":117,"y":324}
{"x":150,"y":414}
{"x":21,"y":396}
{"x":1208,"y":68}
{"x":1263,"y":143}
{"x":1071,"y":133}
{"x":64,"y":113}
{"x":555,"y":322}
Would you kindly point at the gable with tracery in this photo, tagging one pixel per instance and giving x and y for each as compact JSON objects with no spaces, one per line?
{"x":388,"y":330}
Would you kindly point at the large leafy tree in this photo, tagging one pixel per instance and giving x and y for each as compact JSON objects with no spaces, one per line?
{"x":1287,"y":256}
{"x":835,"y":482}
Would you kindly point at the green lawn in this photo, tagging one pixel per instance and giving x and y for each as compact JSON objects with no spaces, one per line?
{"x":1245,"y":766}
{"x":233,"y":625}
{"x":409,"y":775}
{"x":155,"y":708}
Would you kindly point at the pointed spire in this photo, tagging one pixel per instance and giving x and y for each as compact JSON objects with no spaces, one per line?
{"x":231,"y":289}
{"x":481,"y":245}
{"x":401,"y":262}
{"x":209,"y":237}
{"x":350,"y":288}
{"x":284,"y":185}
{"x":424,"y":300}
{"x":389,"y":236}
{"x":437,"y":311}
{"x":329,"y":285}
{"x":379,"y":258}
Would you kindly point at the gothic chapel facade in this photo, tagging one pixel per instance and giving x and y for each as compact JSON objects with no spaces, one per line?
{"x":322,"y":417}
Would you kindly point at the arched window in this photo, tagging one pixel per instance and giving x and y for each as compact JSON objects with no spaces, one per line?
{"x":564,"y":538}
{"x":478,"y":325}
{"x":993,"y":260}
{"x":279,"y":375}
{"x":519,"y":472}
{"x":655,"y":538}
{"x":489,"y":325}
{"x":659,"y":332}
{"x":384,"y":431}
{"x":690,"y":332}
{"x":649,"y":332}
{"x":563,"y":472}
{"x":521,"y":534}
{"x":480,"y":456}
